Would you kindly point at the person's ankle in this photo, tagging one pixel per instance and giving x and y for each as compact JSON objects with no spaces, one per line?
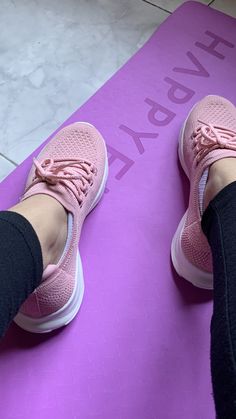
{"x":53,"y":248}
{"x":49,"y":220}
{"x":221,"y":173}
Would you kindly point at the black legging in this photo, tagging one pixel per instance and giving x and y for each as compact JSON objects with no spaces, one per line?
{"x":21,"y":265}
{"x":219,"y":225}
{"x":21,"y":271}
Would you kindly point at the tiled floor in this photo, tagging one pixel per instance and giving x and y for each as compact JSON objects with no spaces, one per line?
{"x":226,"y":6}
{"x":5,"y":167}
{"x":171,"y":5}
{"x":51,"y":63}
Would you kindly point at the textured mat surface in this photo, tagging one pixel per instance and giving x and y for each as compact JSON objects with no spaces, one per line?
{"x":139,"y":348}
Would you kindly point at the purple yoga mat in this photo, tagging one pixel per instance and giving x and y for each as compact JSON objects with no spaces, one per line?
{"x":139,"y":348}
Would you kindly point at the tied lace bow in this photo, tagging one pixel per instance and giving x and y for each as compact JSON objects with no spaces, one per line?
{"x":209,"y":137}
{"x":76,"y":175}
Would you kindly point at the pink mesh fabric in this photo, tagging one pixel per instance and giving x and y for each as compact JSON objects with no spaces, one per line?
{"x":212,"y":109}
{"x":84,"y":142}
{"x":51,"y":295}
{"x":192,"y":237}
{"x":218,"y":112}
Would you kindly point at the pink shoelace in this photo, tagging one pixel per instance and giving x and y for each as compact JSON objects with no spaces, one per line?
{"x":76,"y":175}
{"x":209,"y":137}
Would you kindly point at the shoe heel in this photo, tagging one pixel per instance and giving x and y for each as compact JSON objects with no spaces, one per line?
{"x":183,"y":267}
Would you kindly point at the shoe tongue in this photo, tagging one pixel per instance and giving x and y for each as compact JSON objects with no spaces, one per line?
{"x":60,"y":193}
{"x":218,"y":154}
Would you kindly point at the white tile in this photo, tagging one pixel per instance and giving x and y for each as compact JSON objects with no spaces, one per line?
{"x":55,"y":54}
{"x":226,"y":6}
{"x":5,"y":168}
{"x":171,"y":5}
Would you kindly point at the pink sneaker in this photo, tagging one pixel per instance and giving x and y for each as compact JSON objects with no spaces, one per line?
{"x":208,"y":134}
{"x":72,"y":168}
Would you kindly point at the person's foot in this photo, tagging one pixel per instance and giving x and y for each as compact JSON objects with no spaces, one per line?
{"x":207,"y":152}
{"x":65,"y":183}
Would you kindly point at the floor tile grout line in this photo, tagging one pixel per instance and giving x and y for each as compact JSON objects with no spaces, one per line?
{"x":158,"y":7}
{"x":9,"y":160}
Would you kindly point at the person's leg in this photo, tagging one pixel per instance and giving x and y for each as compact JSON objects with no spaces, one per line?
{"x":219,"y":225}
{"x":207,"y":151}
{"x":20,"y":265}
{"x":33,"y":235}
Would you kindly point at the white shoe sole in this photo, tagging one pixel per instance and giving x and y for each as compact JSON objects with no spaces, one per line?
{"x":183,"y":267}
{"x":66,"y":314}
